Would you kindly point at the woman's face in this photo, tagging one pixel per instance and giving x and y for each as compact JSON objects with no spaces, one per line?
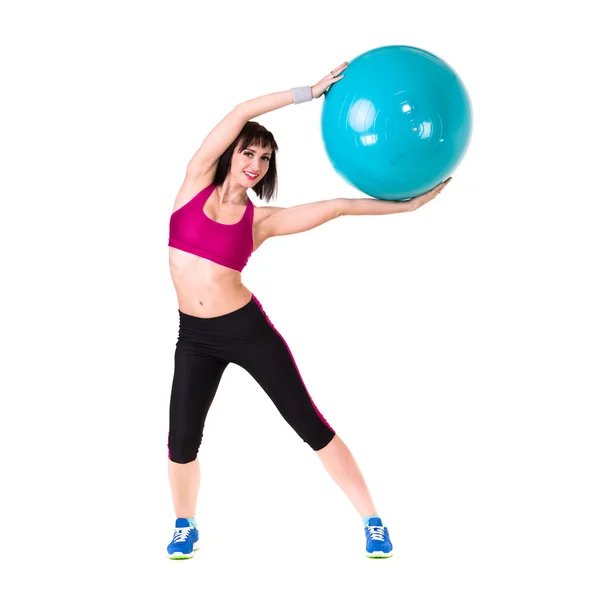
{"x":249,"y":166}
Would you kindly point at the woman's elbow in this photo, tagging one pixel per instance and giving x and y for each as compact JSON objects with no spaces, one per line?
{"x":341,"y":207}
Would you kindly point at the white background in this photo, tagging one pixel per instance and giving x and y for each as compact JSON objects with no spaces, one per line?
{"x":454,"y":349}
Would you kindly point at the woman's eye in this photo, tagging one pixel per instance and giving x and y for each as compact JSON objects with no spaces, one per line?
{"x":266,"y":158}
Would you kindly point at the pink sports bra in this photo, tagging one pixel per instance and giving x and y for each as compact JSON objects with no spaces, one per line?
{"x":192,"y":231}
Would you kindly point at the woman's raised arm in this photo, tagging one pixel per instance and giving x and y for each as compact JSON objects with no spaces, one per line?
{"x":224,"y":134}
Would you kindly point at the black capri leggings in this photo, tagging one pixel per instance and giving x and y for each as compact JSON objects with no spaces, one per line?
{"x":245,"y":337}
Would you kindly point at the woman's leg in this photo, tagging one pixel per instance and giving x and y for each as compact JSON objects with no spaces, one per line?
{"x":340,"y":464}
{"x":185,"y":483}
{"x":195,"y":383}
{"x":264,"y":354}
{"x":269,"y":360}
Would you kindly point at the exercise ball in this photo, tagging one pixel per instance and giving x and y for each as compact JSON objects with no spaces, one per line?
{"x":398,"y":123}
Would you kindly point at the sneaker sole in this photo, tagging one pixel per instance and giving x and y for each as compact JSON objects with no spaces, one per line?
{"x":182,"y":556}
{"x":379,"y":554}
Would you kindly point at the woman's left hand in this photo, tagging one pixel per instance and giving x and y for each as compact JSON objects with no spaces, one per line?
{"x":418,"y":201}
{"x":328,"y":81}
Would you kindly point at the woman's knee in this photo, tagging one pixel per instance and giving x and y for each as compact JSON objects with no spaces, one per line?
{"x":321,"y":440}
{"x":182,"y":451}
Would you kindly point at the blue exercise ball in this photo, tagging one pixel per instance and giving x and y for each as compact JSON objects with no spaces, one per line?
{"x":398,"y":123}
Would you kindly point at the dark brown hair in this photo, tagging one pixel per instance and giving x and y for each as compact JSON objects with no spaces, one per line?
{"x":252,"y":133}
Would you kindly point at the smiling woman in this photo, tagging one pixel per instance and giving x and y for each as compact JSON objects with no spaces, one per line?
{"x":253,"y":154}
{"x":249,"y":153}
{"x":214,"y":229}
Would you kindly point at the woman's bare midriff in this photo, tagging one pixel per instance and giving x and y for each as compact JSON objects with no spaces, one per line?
{"x":206,"y":289}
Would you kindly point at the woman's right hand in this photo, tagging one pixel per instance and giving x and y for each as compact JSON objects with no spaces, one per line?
{"x":323,"y":86}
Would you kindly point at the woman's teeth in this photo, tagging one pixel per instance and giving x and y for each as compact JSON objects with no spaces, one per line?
{"x":250,"y":175}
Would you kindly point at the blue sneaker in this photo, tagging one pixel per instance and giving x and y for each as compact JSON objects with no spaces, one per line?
{"x":185,"y":540}
{"x":379,"y":544}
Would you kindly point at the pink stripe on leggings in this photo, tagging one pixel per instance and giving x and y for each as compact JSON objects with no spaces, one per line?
{"x":294,"y":361}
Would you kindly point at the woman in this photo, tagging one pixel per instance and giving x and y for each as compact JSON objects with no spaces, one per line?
{"x":214,"y":229}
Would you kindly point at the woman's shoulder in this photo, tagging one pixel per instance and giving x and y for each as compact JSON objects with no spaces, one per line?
{"x":262,"y":212}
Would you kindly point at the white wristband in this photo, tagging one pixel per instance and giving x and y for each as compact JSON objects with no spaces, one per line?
{"x":302,"y":94}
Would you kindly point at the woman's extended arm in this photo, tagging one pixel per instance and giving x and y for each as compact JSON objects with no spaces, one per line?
{"x":225,"y":133}
{"x":369,"y":206}
{"x":296,"y":219}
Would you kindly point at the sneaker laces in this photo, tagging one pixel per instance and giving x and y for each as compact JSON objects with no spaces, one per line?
{"x":181,"y":534}
{"x":376,"y":532}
